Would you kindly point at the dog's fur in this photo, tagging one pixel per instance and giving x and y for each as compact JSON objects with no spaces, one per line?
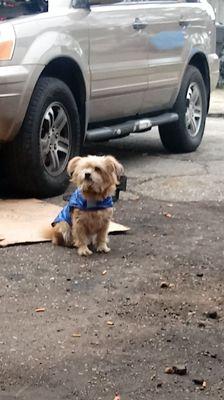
{"x":89,"y":226}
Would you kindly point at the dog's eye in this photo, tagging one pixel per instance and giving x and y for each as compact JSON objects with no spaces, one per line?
{"x":97,"y":169}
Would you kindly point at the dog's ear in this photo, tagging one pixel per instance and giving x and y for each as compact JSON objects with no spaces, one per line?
{"x":114,"y":166}
{"x":72,"y":165}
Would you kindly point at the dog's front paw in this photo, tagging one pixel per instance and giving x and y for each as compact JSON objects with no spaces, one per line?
{"x":84,"y":251}
{"x":103,"y":248}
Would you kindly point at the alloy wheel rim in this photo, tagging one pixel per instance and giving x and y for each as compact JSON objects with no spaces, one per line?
{"x":193,"y":115}
{"x":55,"y":139}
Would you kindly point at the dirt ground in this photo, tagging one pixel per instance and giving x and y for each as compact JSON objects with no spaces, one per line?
{"x":108,"y":325}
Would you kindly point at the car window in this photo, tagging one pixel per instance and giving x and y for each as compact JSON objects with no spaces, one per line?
{"x":118,"y":2}
{"x":16,"y":8}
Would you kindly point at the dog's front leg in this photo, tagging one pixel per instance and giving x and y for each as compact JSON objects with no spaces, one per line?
{"x":80,"y":238}
{"x":102,"y":239}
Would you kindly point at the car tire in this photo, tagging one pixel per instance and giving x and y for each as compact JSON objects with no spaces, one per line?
{"x":50,"y":135}
{"x":185,"y":135}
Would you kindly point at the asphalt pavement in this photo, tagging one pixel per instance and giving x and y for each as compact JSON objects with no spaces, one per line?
{"x":158,"y":175}
{"x":114,"y":323}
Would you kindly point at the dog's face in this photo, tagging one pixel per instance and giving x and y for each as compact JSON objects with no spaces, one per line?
{"x":95,"y":176}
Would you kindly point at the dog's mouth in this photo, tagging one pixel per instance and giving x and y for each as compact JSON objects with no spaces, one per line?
{"x":90,"y":184}
{"x":87,"y":183}
{"x":91,"y":187}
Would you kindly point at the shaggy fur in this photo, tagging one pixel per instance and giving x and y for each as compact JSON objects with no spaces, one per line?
{"x":97,"y":178}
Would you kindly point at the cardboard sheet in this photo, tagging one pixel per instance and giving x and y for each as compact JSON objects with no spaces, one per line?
{"x":23,"y":221}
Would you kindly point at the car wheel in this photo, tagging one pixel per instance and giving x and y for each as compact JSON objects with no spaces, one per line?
{"x":49,"y":137}
{"x":185,"y":135}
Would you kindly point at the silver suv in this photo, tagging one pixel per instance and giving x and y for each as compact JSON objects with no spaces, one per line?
{"x":98,"y":70}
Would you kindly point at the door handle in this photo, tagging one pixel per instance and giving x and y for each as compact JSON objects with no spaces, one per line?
{"x":184,"y":22}
{"x":138,"y":24}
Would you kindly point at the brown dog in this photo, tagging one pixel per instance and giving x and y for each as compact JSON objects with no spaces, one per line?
{"x":85,"y":219}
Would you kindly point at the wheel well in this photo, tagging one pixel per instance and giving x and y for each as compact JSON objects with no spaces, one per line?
{"x":200,"y":62}
{"x":69,"y":72}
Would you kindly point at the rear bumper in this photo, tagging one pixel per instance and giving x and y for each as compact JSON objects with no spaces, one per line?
{"x":16,"y":86}
{"x":213,"y":62}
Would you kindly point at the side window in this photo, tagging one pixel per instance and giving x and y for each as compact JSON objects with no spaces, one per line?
{"x":117,"y":2}
{"x":106,"y":2}
{"x":16,"y":8}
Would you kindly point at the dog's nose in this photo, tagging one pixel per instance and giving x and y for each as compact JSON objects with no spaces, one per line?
{"x":87,"y":175}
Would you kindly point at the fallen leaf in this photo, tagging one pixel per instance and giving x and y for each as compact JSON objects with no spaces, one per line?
{"x":111,"y":323}
{"x":77,"y":335}
{"x":198,"y":381}
{"x":178,"y":370}
{"x":104,"y":272}
{"x":201,"y":383}
{"x":40,"y":310}
{"x":169,"y":370}
{"x":164,"y":285}
{"x":167,"y":215}
{"x":212,"y":314}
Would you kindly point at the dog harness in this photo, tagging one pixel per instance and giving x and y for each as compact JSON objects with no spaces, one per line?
{"x":78,"y":201}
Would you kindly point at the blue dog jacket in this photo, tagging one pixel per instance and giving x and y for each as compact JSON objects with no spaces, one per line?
{"x":77,"y":201}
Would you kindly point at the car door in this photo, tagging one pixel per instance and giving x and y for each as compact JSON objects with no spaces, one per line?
{"x":118,"y":59}
{"x":167,"y":47}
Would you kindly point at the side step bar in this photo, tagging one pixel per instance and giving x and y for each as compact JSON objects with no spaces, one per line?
{"x":124,"y":129}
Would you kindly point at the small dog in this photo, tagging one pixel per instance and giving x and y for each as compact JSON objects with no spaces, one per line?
{"x":86,"y":217}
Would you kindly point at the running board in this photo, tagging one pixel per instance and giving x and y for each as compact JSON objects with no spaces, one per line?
{"x":124,"y":129}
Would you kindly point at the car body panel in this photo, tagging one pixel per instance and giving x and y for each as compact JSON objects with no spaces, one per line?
{"x":16,"y":87}
{"x":126,"y":71}
{"x":40,"y":39}
{"x":166,"y":48}
{"x":118,"y":61}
